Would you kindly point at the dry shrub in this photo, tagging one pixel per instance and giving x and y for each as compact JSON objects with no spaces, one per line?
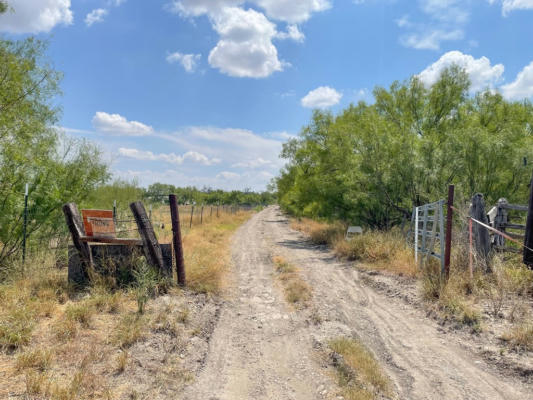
{"x":358,"y":373}
{"x":296,"y":290}
{"x":520,"y":336}
{"x":130,"y":329}
{"x":206,"y":251}
{"x":320,"y":232}
{"x":383,"y":250}
{"x":39,"y":359}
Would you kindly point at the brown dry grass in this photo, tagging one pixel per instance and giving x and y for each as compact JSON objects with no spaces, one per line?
{"x":386,"y":251}
{"x":297,"y":291}
{"x":358,"y":373}
{"x":59,"y":342}
{"x":461,"y":300}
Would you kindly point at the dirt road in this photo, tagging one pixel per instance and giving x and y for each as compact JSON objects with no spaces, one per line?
{"x":260,"y":349}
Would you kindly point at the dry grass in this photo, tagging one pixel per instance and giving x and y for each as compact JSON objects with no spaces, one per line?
{"x":297,"y":291}
{"x":319,"y":232}
{"x":41,"y":314}
{"x":129,"y":329}
{"x":358,"y":373}
{"x":379,"y":250}
{"x":206,"y":250}
{"x":520,"y":336}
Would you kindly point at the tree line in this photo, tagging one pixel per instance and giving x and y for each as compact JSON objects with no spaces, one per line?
{"x":372,"y":163}
{"x":58,"y":169}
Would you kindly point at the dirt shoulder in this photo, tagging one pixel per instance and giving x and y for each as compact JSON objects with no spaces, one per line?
{"x":424,"y":360}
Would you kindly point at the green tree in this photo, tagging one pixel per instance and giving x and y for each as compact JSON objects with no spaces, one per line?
{"x":371,"y":163}
{"x":32,"y":151}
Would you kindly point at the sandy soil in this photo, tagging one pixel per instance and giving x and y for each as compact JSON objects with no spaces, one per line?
{"x":261,"y":349}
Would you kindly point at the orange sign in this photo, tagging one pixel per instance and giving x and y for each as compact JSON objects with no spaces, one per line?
{"x":99,"y":223}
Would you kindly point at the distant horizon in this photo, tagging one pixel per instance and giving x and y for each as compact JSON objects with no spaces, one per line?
{"x":197,"y":92}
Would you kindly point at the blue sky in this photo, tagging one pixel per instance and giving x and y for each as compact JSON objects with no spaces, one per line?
{"x":204,"y":92}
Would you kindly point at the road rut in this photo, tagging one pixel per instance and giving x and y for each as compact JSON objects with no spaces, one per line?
{"x":260,"y":349}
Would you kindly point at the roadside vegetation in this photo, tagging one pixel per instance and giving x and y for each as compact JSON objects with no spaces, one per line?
{"x":359,"y":375}
{"x":504,"y":297}
{"x":58,"y":341}
{"x":297,"y":292}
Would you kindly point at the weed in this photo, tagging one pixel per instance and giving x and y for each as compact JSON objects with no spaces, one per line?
{"x":16,"y":327}
{"x":520,"y":336}
{"x":297,"y":291}
{"x":81,"y":312}
{"x":129,"y":330}
{"x":35,"y":383}
{"x":122,"y":361}
{"x":65,"y":329}
{"x":39,"y":359}
{"x":358,"y":373}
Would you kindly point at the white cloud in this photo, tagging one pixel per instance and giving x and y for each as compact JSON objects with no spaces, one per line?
{"x":118,"y":125}
{"x":512,"y":5}
{"x":171,"y":158}
{"x":34,"y":16}
{"x":189,"y":62}
{"x":245,"y":47}
{"x":95,"y":16}
{"x":482,"y":73}
{"x":445,"y":21}
{"x":430,"y":39}
{"x":522,"y":86}
{"x":293,"y":33}
{"x":446,"y":10}
{"x":321,"y":97}
{"x":227,"y":175}
{"x":256,"y":163}
{"x":292,"y":11}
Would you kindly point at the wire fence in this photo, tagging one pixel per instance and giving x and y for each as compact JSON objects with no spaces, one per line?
{"x":47,"y":244}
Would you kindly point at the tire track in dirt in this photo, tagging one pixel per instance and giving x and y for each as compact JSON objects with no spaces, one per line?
{"x":422,"y":362}
{"x":259,"y":348}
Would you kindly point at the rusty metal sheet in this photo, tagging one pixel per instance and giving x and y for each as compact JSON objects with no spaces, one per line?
{"x":99,"y":223}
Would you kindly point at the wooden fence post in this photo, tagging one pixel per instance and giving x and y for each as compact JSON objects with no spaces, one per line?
{"x":449,"y":221}
{"x":528,"y":239}
{"x":151,"y":247}
{"x":480,"y":233}
{"x":176,"y":239}
{"x":202,"y":215}
{"x":192,"y":213}
{"x":75,"y":226}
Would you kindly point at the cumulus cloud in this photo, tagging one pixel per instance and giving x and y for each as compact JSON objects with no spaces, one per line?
{"x":447,"y":19}
{"x":256,"y":163}
{"x":482,"y":74}
{"x":293,"y":33}
{"x":189,"y":62}
{"x":512,"y":5}
{"x":95,"y":16}
{"x":116,"y":124}
{"x":522,"y":86}
{"x":171,"y":158}
{"x":227,"y":175}
{"x":292,"y":11}
{"x":35,"y":16}
{"x":245,"y":47}
{"x":430,"y":39}
{"x":321,"y":97}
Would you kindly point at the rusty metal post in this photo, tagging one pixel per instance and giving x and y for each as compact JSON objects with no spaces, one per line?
{"x":176,"y":239}
{"x":192,"y":213}
{"x":449,"y":221}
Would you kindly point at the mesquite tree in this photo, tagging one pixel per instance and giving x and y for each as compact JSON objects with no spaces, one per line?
{"x":57,"y":169}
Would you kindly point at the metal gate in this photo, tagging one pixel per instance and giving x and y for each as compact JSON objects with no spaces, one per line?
{"x":428,"y":231}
